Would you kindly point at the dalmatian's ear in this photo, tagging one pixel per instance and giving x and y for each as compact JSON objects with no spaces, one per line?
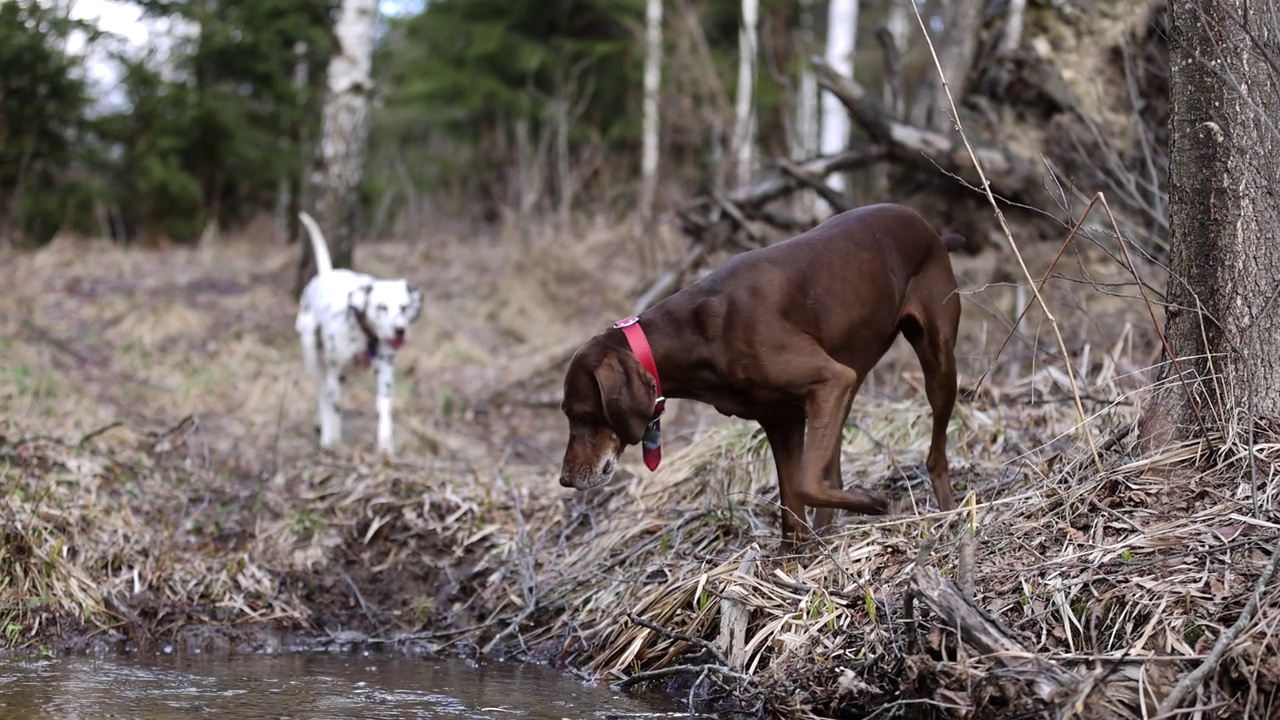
{"x":358,"y":299}
{"x":415,"y":302}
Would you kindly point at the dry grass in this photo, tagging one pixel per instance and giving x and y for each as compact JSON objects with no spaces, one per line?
{"x":205,"y":514}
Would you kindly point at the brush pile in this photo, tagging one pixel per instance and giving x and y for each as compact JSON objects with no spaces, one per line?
{"x":1065,"y":586}
{"x":159,"y":487}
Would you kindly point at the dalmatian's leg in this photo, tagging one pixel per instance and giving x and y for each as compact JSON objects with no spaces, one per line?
{"x":311,"y":353}
{"x":309,"y":336}
{"x":386,"y":388}
{"x":331,"y":400}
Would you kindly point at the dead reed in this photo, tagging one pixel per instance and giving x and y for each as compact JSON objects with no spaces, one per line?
{"x":159,"y":486}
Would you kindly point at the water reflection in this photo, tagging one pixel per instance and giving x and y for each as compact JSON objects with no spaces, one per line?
{"x":302,"y":686}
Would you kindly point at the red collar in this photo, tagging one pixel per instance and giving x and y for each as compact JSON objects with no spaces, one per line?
{"x":652,"y":443}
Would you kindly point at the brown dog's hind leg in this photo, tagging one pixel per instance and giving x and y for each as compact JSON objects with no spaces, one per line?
{"x":786,"y":440}
{"x":935,"y":347}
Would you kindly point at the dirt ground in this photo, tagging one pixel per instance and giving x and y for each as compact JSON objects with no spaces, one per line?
{"x":162,"y":482}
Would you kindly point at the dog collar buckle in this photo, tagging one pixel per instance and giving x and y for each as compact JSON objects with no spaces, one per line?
{"x":627,"y":322}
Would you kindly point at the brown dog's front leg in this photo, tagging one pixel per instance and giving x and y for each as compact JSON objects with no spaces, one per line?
{"x":786,"y":440}
{"x":831,"y":473}
{"x":823,"y":516}
{"x":827,"y":405}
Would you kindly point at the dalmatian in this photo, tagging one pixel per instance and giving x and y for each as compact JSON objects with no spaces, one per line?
{"x":350,"y":319}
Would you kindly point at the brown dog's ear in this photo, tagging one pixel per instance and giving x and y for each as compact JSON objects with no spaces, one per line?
{"x":627,"y":395}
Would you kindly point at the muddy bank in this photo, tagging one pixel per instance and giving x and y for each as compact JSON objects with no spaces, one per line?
{"x":161,"y":488}
{"x":1102,"y":583}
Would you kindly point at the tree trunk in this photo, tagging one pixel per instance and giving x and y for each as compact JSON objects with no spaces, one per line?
{"x":898,"y":28}
{"x":1011,"y":38}
{"x":956,"y":48}
{"x":804,"y":144}
{"x":343,"y":135}
{"x":1223,"y":323}
{"x":842,"y":38}
{"x":650,"y":120}
{"x":745,"y":116}
{"x":289,"y":199}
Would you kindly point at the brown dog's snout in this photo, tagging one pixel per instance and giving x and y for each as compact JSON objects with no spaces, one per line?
{"x":592,"y":474}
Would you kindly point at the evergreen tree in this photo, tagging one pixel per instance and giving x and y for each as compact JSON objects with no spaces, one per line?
{"x":43,"y":100}
{"x":234,"y":125}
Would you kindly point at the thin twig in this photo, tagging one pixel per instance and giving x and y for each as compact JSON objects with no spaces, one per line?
{"x":364,"y":605}
{"x":1164,"y":341}
{"x":1004,"y":225}
{"x":1192,"y":680}
{"x":670,"y":634}
{"x":95,"y":433}
{"x":977,"y":384}
{"x":673,"y":670}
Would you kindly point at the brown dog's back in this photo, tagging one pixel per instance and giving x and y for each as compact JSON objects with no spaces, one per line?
{"x":846,"y":283}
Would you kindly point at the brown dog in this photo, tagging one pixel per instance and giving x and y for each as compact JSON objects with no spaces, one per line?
{"x":783,"y":335}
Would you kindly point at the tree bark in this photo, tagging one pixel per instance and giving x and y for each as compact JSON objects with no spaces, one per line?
{"x":956,"y":48}
{"x":650,"y":120}
{"x":842,"y":43}
{"x":745,"y":116}
{"x":290,"y":185}
{"x":804,"y":143}
{"x":1223,"y":323}
{"x":344,"y":133}
{"x":897,"y":27}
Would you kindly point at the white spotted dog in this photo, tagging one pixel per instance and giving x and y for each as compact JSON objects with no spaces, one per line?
{"x":346,"y":318}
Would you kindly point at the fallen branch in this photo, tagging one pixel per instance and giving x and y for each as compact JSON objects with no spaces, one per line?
{"x":670,"y":634}
{"x":97,"y":432}
{"x":714,"y":219}
{"x":1010,"y":175}
{"x":838,"y":202}
{"x":700,"y":218}
{"x":637,"y":678}
{"x":735,"y":615}
{"x":983,"y":633}
{"x":1169,"y":706}
{"x":670,"y":279}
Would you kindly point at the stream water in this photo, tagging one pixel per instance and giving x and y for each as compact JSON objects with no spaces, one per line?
{"x":302,"y":686}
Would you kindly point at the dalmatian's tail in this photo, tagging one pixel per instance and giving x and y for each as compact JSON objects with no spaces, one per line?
{"x":319,"y":248}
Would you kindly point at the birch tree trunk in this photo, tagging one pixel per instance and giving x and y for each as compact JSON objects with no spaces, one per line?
{"x":344,"y":133}
{"x":842,"y":38}
{"x":1223,"y":318}
{"x":745,"y":116}
{"x":956,"y":48}
{"x":650,"y":120}
{"x":804,"y":141}
{"x":804,"y":144}
{"x":1012,"y":36}
{"x":898,"y":25}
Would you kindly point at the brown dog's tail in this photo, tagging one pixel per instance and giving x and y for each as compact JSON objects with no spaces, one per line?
{"x":954,"y":242}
